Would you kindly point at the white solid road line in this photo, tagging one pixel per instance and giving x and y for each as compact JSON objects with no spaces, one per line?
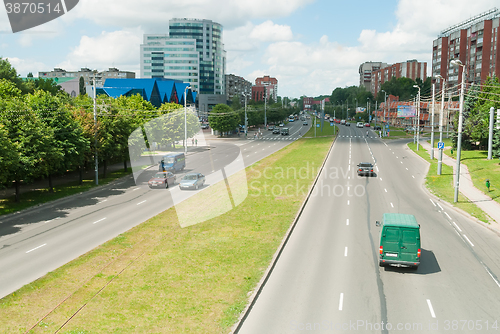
{"x":100,"y":220}
{"x":457,"y":226}
{"x":430,"y":199}
{"x":468,"y":240}
{"x":35,"y":248}
{"x":141,"y":202}
{"x":345,"y":252}
{"x":440,"y":206}
{"x":430,"y":308}
{"x":341,"y":301}
{"x":347,"y":221}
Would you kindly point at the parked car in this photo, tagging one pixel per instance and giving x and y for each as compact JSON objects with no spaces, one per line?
{"x":365,"y":168}
{"x":192,"y":181}
{"x":359,"y":124}
{"x":399,"y":240}
{"x":377,"y":127}
{"x":162,"y":180}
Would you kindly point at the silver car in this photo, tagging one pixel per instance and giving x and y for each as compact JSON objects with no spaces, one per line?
{"x":192,"y":181}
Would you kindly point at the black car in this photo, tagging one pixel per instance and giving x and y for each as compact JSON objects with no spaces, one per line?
{"x":365,"y":168}
{"x":377,"y":127}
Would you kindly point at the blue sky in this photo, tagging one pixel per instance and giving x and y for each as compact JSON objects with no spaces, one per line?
{"x":311,"y":47}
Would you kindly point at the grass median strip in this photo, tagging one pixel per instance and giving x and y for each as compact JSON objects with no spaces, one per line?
{"x":161,"y":278}
{"x":442,"y":185}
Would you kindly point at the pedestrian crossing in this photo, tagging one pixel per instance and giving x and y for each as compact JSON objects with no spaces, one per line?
{"x":274,"y":138}
{"x":357,"y":136}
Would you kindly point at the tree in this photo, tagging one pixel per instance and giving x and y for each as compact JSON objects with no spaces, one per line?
{"x":9,"y":73}
{"x":235,"y":104}
{"x":82,"y":89}
{"x":8,"y":155}
{"x":223,"y":119}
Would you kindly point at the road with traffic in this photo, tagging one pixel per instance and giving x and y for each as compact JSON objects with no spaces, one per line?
{"x":327,"y":278}
{"x":39,"y":240}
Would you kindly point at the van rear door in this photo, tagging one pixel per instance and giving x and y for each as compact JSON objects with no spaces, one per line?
{"x":391,"y":242}
{"x":409,"y":244}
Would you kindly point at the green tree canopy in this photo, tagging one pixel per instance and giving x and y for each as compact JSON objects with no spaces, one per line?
{"x":223,"y":119}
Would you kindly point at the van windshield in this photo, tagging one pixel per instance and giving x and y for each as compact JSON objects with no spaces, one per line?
{"x":169,"y":160}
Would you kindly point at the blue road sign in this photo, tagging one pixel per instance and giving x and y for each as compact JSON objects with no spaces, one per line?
{"x":440,"y":145}
{"x":387,"y":126}
{"x":331,"y":124}
{"x":388,"y":130}
{"x":317,"y":125}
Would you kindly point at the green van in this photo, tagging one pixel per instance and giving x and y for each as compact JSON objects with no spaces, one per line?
{"x":399,"y":240}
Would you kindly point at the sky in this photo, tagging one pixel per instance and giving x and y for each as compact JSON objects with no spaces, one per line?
{"x":310,"y":46}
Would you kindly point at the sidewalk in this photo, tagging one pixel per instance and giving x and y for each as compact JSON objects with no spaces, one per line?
{"x":476,"y":196}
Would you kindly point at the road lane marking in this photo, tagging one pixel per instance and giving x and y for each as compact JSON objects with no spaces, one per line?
{"x":457,"y":226}
{"x":100,"y":220}
{"x":430,"y":199}
{"x":430,"y":308}
{"x":345,"y":252}
{"x":341,"y":301}
{"x":349,"y":167}
{"x":35,"y":248}
{"x":347,"y":221}
{"x":347,"y":202}
{"x":135,"y":189}
{"x":468,"y":240}
{"x":413,"y":176}
{"x":377,"y":169}
{"x":440,"y":206}
{"x":385,"y":189}
{"x":491,"y":275}
{"x":380,"y":179}
{"x":406,"y":167}
{"x":447,"y":215}
{"x":392,"y":204}
{"x":140,"y":202}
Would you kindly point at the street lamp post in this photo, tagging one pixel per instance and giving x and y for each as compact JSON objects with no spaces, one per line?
{"x":432,"y":121}
{"x":95,"y":132}
{"x":441,"y":114}
{"x":185,"y":119}
{"x":385,"y":107}
{"x":418,"y":116}
{"x":459,"y":130}
{"x":246,"y":119}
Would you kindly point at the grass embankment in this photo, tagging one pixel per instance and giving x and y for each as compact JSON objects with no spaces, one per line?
{"x":481,"y":169}
{"x":42,"y":195}
{"x":161,"y":278}
{"x":442,"y":185}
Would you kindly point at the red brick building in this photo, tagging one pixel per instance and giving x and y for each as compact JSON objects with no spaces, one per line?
{"x":410,"y":69}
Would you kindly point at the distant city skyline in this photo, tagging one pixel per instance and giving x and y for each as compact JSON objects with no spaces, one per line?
{"x":311,"y":47}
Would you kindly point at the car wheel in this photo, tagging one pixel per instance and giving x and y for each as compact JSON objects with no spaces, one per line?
{"x":381,"y":264}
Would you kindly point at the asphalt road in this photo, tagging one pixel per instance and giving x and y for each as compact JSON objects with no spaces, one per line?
{"x":327,"y":278}
{"x":37,"y":241}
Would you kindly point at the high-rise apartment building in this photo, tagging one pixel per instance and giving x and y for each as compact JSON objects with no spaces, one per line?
{"x":237,"y":86}
{"x":365,"y":73}
{"x":476,"y":43}
{"x":88,"y":75}
{"x":192,"y":52}
{"x":410,"y":69}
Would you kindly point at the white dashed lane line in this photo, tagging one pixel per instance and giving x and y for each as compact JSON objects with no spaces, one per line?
{"x":468,"y":240}
{"x":100,"y":220}
{"x":430,"y":199}
{"x":430,"y":308}
{"x":347,"y":221}
{"x":345,"y":252}
{"x":457,"y":226}
{"x":35,"y":248}
{"x":341,"y":301}
{"x":392,"y":205}
{"x":447,"y":215}
{"x":440,"y":206}
{"x":140,"y":202}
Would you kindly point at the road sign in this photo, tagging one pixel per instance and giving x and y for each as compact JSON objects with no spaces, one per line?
{"x":331,"y":124}
{"x":317,"y":125}
{"x":387,"y":126}
{"x":440,"y":145}
{"x":388,"y":130}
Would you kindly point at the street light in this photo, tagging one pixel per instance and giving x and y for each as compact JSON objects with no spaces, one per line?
{"x":460,"y":121}
{"x":385,"y":106}
{"x":418,"y":116}
{"x":441,"y":114}
{"x":246,"y":119}
{"x":185,"y":119}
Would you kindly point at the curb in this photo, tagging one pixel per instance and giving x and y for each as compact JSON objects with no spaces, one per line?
{"x":254,"y":294}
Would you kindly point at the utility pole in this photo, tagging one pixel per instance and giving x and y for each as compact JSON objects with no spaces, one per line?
{"x":432,"y":121}
{"x":265,"y":106}
{"x":95,"y":132}
{"x":441,"y":115}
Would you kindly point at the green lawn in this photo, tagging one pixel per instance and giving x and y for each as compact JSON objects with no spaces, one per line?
{"x":481,"y":169}
{"x":328,"y":130}
{"x":161,"y":278}
{"x":42,"y":195}
{"x":442,"y":185}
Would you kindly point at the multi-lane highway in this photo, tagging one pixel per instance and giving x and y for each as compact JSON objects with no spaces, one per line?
{"x":327,"y":278}
{"x":40,"y":240}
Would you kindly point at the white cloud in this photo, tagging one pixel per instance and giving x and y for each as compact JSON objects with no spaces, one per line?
{"x":109,"y":49}
{"x":125,"y":13}
{"x":24,"y":66}
{"x":269,"y":32}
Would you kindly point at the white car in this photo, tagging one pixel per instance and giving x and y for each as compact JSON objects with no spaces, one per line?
{"x":359,"y":125}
